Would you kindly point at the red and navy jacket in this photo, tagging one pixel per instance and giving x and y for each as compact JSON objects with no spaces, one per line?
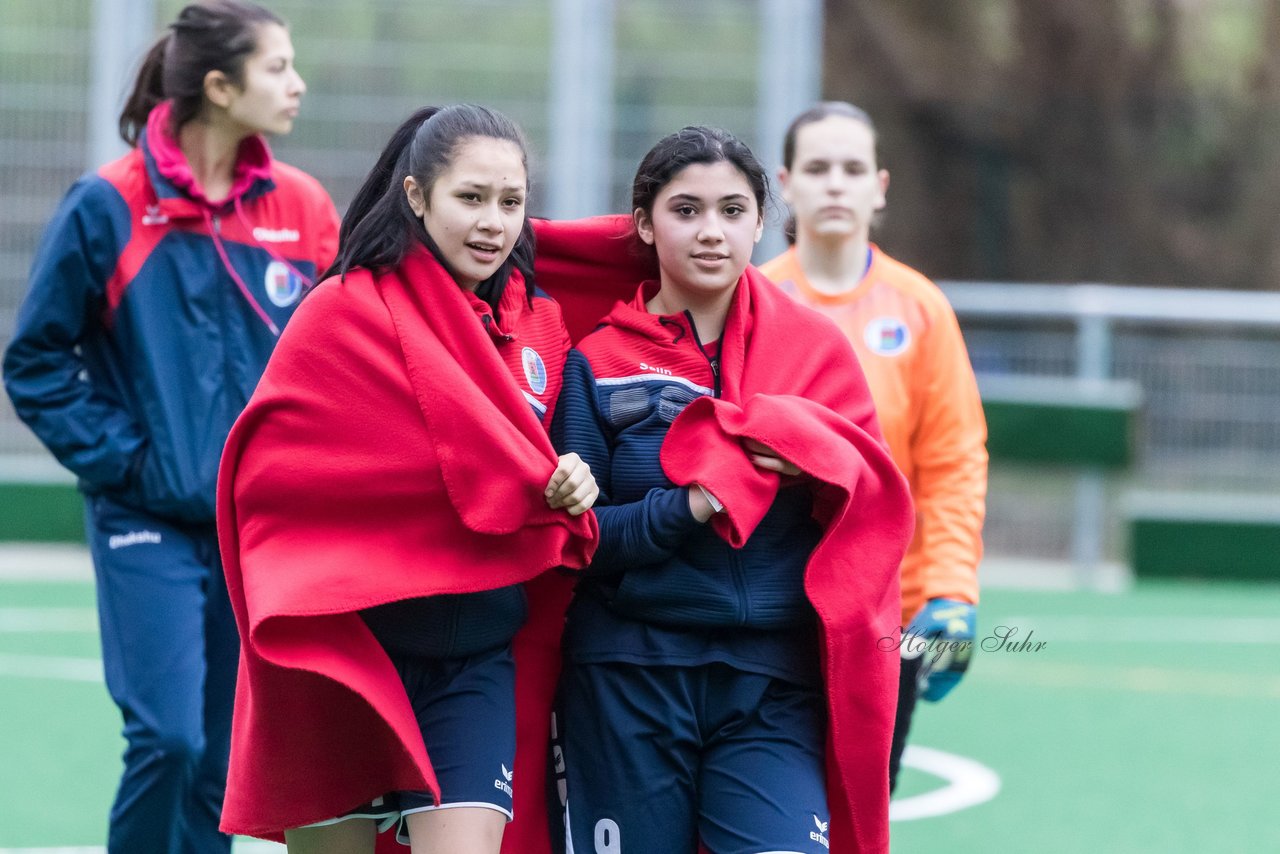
{"x":662,"y":587}
{"x":532,"y":340}
{"x":151,"y":314}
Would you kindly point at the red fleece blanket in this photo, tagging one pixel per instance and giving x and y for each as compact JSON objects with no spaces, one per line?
{"x":791,"y":381}
{"x":811,"y":405}
{"x":386,"y":454}
{"x":590,"y":264}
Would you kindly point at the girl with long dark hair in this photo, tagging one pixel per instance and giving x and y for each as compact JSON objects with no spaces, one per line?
{"x":157,"y":294}
{"x":384,"y":499}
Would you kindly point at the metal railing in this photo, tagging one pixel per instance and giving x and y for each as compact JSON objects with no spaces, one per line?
{"x":1208,"y":364}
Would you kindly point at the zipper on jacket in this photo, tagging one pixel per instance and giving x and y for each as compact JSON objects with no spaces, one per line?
{"x":735,"y":562}
{"x":714,"y":364}
{"x":504,"y":337}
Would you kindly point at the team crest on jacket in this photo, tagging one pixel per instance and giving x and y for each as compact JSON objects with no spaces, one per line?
{"x":283,"y":285}
{"x":887,"y":336}
{"x":535,"y":370}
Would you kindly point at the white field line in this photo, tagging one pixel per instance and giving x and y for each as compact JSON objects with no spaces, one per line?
{"x":45,"y":562}
{"x":240,"y":846}
{"x":968,"y":783}
{"x":63,"y":668}
{"x":32,"y":620}
{"x":1083,"y":628}
{"x":1033,"y":671}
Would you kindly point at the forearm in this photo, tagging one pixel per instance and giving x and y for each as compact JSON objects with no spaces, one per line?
{"x":644,"y":532}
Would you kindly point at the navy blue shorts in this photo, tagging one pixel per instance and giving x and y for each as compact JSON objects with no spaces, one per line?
{"x":466,"y":711}
{"x":658,"y":757}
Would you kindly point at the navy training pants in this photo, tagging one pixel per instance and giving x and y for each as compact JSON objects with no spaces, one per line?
{"x":170,"y":651}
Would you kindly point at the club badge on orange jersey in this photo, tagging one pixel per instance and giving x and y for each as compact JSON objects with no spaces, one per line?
{"x":887,"y":336}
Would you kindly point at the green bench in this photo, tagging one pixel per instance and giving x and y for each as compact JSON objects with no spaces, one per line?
{"x":1203,"y":535}
{"x":1061,"y":421}
{"x":1088,"y":426}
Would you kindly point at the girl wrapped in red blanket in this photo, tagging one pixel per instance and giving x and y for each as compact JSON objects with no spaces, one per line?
{"x":382,"y":500}
{"x":730,"y":667}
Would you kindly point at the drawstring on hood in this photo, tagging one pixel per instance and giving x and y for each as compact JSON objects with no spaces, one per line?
{"x":679,"y":327}
{"x":253,"y":165}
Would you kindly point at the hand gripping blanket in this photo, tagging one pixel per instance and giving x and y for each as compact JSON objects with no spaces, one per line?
{"x":790,"y":380}
{"x":387,"y":454}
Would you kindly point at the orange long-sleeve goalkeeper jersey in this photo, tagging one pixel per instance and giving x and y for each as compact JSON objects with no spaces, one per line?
{"x":909,"y":344}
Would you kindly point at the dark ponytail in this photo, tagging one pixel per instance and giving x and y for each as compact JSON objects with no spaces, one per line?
{"x":380,"y":228}
{"x":214,"y":35}
{"x":148,"y":90}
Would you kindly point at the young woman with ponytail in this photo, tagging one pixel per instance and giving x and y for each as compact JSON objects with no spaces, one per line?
{"x":388,"y":503}
{"x":157,"y":294}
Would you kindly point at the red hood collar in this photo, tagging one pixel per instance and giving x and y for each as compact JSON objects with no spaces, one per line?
{"x":665,"y":328}
{"x":511,"y":308}
{"x":253,"y":159}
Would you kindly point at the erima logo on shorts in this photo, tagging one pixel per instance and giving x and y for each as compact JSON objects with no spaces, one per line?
{"x":283,"y":286}
{"x":820,"y":836}
{"x":504,"y":785}
{"x":133,"y":538}
{"x":887,"y":336}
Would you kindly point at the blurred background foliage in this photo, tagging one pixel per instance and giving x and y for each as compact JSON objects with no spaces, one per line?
{"x":1120,"y":141}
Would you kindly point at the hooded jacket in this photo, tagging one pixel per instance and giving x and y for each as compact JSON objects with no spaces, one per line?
{"x":811,"y":404}
{"x":152,"y":312}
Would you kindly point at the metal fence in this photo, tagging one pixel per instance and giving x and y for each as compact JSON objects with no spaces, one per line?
{"x":367,"y":64}
{"x":1206,"y":362}
{"x":1212,"y":418}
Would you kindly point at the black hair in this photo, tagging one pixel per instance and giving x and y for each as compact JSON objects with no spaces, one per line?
{"x":688,"y":146}
{"x":816,"y":113}
{"x":380,"y":228}
{"x":214,"y":35}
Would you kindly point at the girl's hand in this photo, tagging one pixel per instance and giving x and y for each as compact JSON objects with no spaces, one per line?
{"x":766,"y":458}
{"x":699,"y":504}
{"x":572,"y":486}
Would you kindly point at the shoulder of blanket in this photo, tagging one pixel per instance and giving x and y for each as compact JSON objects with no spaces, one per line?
{"x":820,"y":333}
{"x":544,"y":321}
{"x":547,"y":305}
{"x":336,"y":308}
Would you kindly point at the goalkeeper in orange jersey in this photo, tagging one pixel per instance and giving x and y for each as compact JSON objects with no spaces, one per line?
{"x":909,"y":344}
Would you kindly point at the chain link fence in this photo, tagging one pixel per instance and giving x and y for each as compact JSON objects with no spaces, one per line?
{"x":1212,"y":415}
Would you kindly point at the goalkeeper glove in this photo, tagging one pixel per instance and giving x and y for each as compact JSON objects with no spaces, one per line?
{"x":942,"y":633}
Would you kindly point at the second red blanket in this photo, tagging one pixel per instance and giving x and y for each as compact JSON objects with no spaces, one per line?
{"x":387,"y":454}
{"x":811,"y":405}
